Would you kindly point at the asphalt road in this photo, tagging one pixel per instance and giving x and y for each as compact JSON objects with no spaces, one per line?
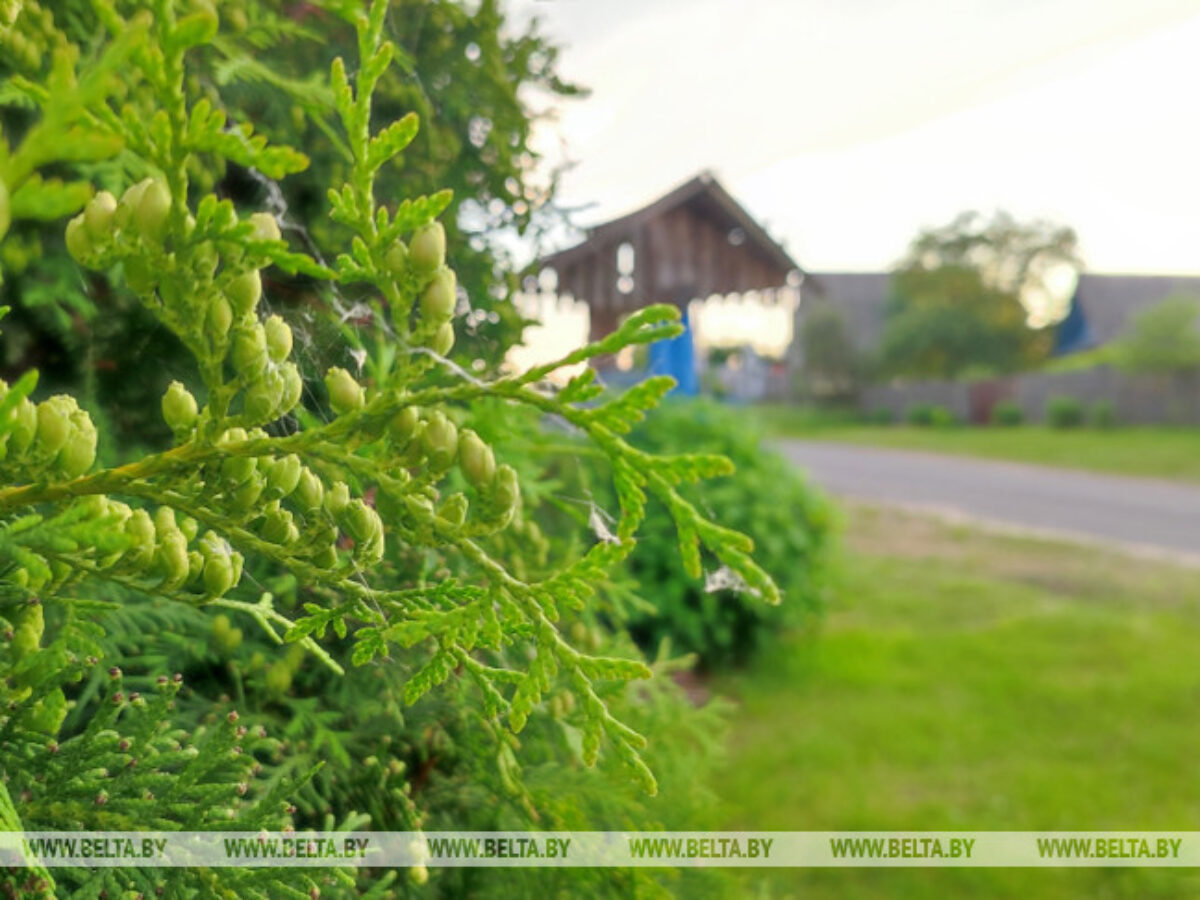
{"x":1158,"y":517}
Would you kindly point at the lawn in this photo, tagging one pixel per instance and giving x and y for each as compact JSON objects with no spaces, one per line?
{"x":1161,"y":452}
{"x":964,"y":681}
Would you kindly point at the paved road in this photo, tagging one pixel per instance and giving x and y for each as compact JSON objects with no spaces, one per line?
{"x":1143,"y":514}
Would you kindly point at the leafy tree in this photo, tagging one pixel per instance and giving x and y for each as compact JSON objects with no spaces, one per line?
{"x":964,"y":296}
{"x":1162,"y":339}
{"x":832,"y":367}
{"x":360,"y":516}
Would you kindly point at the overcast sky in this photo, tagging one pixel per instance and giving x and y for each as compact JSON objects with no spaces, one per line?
{"x":846,"y":126}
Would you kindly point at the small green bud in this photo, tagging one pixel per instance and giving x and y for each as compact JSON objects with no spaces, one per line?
{"x":278,"y":527}
{"x":98,"y":215}
{"x":78,"y":454}
{"x":224,"y":635}
{"x":164,"y":520}
{"x":54,"y":423}
{"x":427,"y":250}
{"x":218,"y":574}
{"x":477,"y":459}
{"x":79,"y":244}
{"x":218,"y":320}
{"x":236,"y":469}
{"x":179,"y":407}
{"x":173,"y":558}
{"x":360,"y":521}
{"x":261,"y":398}
{"x":403,"y":425}
{"x":278,"y":677}
{"x":440,"y":297}
{"x":24,"y":429}
{"x":345,"y":394}
{"x":283,"y":476}
{"x":310,"y":492}
{"x":506,"y":491}
{"x":249,"y":353}
{"x":440,"y":440}
{"x":244,"y":291}
{"x":337,"y":498}
{"x":293,"y":387}
{"x":195,"y":576}
{"x":443,"y":339}
{"x":279,"y":338}
{"x":129,"y":202}
{"x":152,"y":209}
{"x":396,"y":258}
{"x":140,"y":529}
{"x":266,"y":228}
{"x":247,"y":494}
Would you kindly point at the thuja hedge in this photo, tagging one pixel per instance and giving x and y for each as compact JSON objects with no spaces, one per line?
{"x":361,"y":559}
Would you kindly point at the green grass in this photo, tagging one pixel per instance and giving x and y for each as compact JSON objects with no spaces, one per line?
{"x":971,"y":682}
{"x":1160,"y":452}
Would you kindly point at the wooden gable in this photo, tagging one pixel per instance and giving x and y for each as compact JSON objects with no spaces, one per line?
{"x":692,"y":243}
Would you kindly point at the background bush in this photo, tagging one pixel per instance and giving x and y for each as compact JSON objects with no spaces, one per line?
{"x":919,"y":414}
{"x":1064,"y":412}
{"x":1007,"y":413}
{"x":768,"y":499}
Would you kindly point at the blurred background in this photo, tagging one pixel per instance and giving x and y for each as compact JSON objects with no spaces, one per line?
{"x":915,"y":243}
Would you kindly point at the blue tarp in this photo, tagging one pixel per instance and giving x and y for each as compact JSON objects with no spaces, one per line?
{"x":677,"y":357}
{"x":1073,"y":333}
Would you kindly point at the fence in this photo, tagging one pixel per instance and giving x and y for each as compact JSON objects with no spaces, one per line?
{"x":1135,"y":399}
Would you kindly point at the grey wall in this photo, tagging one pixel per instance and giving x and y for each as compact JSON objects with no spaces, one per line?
{"x":1136,"y":399}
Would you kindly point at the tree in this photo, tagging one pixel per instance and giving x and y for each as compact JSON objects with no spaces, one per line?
{"x":831,"y":368}
{"x":1164,"y":338}
{"x":967,"y":295}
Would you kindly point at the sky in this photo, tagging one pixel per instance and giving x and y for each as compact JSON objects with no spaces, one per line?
{"x":846,"y":127}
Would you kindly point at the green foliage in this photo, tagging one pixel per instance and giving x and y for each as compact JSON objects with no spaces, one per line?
{"x":833,"y":369}
{"x":468,"y":74}
{"x":1103,"y":414}
{"x":1162,"y":339}
{"x":723,"y":620}
{"x":1064,"y":412}
{"x":963,"y":295}
{"x":369,"y":514}
{"x":880,"y":416}
{"x":929,"y":415}
{"x":1007,"y":413}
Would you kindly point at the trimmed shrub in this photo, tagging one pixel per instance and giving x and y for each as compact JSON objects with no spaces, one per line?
{"x":940,"y":417}
{"x":920,"y":414}
{"x":1064,"y":412}
{"x":1007,"y":414}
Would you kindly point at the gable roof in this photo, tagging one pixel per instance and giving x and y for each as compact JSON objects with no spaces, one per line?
{"x":702,"y":191}
{"x":699,"y":239}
